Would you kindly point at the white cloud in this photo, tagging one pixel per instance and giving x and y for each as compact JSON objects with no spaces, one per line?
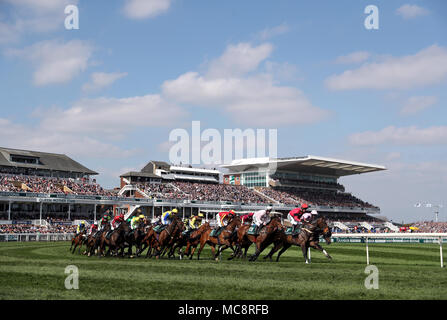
{"x":354,"y":57}
{"x":239,"y":59}
{"x":269,"y":33}
{"x":56,"y":62}
{"x":401,"y":136}
{"x":233,"y":86}
{"x":141,"y":9}
{"x":49,"y":140}
{"x":109,"y":116}
{"x":409,"y":11}
{"x":30,"y":16}
{"x":416,"y":104}
{"x":99,"y":80}
{"x":427,"y":67}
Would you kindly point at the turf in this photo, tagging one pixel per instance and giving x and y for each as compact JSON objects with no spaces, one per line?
{"x":35,"y":270}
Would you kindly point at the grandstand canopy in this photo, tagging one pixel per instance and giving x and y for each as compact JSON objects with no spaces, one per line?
{"x":15,"y":158}
{"x":307,"y":164}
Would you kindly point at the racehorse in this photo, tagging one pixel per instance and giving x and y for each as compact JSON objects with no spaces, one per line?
{"x":135,"y":237}
{"x":308,"y":237}
{"x":115,"y":240}
{"x":194,"y":239}
{"x":223,"y":241}
{"x":167,"y":237}
{"x":268,"y":235}
{"x":78,"y":240}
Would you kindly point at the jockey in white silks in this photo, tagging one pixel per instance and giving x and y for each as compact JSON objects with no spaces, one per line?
{"x":261,"y":218}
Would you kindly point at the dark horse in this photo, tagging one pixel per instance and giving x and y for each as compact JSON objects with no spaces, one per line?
{"x":77,"y":241}
{"x":268,"y":235}
{"x":223,"y":241}
{"x":115,"y":241}
{"x":167,"y":237}
{"x":308,"y":238}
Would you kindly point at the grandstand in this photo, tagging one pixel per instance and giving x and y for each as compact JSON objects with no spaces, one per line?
{"x":309,"y":179}
{"x":35,"y":185}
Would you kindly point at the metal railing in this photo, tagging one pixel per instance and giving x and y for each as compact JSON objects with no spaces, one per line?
{"x":25,"y":237}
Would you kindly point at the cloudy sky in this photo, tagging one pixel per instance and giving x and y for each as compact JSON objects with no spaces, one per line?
{"x":109,"y":93}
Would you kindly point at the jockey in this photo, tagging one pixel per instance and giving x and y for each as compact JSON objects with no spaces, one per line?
{"x":167,"y":216}
{"x":142,"y":218}
{"x":117,"y":220}
{"x":246,"y":217}
{"x":309,"y":216}
{"x":296,"y":214}
{"x":93,"y":228}
{"x":261,"y":218}
{"x":224,"y":216}
{"x":81,"y":227}
{"x":134,"y":222}
{"x":196,"y":221}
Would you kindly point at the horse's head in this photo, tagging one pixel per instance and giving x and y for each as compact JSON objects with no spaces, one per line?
{"x":235,"y":221}
{"x":324,"y":229}
{"x":274,"y":224}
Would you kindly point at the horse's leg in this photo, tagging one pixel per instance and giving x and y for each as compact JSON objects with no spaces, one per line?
{"x":320,"y":248}
{"x":275,"y":248}
{"x":202,"y":244}
{"x":192,"y":252}
{"x":285,"y":247}
{"x":304,"y":248}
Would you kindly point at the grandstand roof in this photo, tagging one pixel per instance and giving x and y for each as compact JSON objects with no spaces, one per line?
{"x":140,"y":174}
{"x":46,"y":161}
{"x":308,"y":164}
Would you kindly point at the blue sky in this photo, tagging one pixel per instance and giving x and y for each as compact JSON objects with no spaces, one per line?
{"x":109,"y":93}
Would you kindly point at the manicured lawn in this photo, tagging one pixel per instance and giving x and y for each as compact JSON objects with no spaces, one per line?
{"x":35,"y":270}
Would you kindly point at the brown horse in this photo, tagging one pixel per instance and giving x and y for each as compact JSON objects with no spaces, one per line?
{"x":268,"y":235}
{"x":115,"y":241}
{"x":223,"y":241}
{"x":308,"y":237}
{"x":194,"y":239}
{"x":77,"y":241}
{"x":167,"y":237}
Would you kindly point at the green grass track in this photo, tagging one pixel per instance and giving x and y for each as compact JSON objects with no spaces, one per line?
{"x":35,"y":270}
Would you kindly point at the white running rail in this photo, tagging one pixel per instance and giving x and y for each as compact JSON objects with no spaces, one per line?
{"x":366,"y":236}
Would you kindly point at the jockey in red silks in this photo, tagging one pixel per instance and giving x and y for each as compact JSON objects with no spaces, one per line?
{"x":117,"y":220}
{"x":224,"y":216}
{"x":248,"y":216}
{"x":93,"y":228}
{"x":296,"y":214}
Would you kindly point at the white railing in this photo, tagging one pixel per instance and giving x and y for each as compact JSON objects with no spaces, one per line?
{"x":394,"y":235}
{"x":23,"y":237}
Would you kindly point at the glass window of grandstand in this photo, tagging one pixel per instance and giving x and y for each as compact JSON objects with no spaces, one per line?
{"x":254,"y":179}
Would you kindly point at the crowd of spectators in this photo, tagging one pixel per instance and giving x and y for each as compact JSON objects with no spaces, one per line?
{"x":308,"y":183}
{"x":202,"y":192}
{"x":31,"y":228}
{"x":37,"y":184}
{"x":430,"y":226}
{"x":329,"y":198}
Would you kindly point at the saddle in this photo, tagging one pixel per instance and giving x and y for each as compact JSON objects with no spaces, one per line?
{"x":216,"y":232}
{"x":159,"y":228}
{"x":108,"y":234}
{"x":187,"y":233}
{"x":294,"y":232}
{"x":253,"y":230}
